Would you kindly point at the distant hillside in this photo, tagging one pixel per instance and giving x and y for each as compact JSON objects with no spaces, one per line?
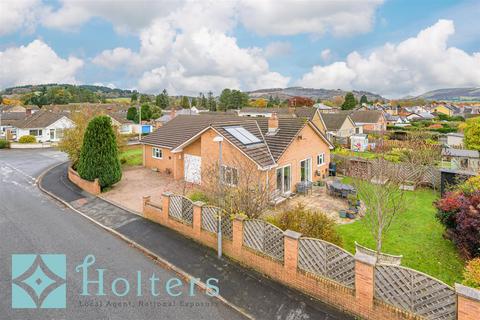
{"x":323,"y":94}
{"x":104,"y":91}
{"x":452,"y":94}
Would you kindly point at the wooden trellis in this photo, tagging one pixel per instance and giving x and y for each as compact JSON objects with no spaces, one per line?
{"x":416,"y":292}
{"x":264,"y":237}
{"x":327,"y":260}
{"x":181,"y":208}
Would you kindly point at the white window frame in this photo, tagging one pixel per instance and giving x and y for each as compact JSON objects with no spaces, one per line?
{"x":310,"y":176}
{"x":160,"y":152}
{"x":282,"y":168}
{"x":224,"y":175}
{"x":39,"y":132}
{"x":322,"y":156}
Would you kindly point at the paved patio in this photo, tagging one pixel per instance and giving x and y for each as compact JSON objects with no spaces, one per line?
{"x":318,"y":200}
{"x":138,"y":182}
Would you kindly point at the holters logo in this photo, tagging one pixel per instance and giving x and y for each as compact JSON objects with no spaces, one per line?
{"x":39,"y":281}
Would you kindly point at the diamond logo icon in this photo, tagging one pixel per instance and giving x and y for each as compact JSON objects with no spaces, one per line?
{"x":39,"y":281}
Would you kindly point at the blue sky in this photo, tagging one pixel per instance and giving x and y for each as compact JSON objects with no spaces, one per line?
{"x":394,"y":48}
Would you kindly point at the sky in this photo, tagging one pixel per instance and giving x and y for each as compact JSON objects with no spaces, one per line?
{"x":391,"y":47}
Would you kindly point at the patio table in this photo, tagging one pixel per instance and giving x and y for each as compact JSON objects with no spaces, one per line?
{"x":341,"y":189}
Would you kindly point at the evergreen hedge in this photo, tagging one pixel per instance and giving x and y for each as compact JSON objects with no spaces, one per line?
{"x":99,"y":154}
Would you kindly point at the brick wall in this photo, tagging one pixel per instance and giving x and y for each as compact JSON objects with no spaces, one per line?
{"x":359,"y":301}
{"x":92,"y":187}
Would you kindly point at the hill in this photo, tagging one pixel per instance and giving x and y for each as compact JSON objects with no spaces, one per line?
{"x":322,"y":94}
{"x":452,"y":94}
{"x":101,"y":90}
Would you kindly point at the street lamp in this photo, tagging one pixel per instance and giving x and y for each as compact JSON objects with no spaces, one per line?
{"x":219,"y":140}
{"x":140,"y":127}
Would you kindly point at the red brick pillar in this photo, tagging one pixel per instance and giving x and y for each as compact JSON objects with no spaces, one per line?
{"x":146,"y":200}
{"x":197,"y":218}
{"x":291,"y":246}
{"x":468,"y":302}
{"x":364,"y":281}
{"x":237,"y":237}
{"x":165,"y":206}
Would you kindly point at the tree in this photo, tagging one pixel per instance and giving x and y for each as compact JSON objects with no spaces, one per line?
{"x":146,"y":112}
{"x":270,"y":103}
{"x":349,"y":102}
{"x":99,"y":153}
{"x":211,"y":103}
{"x":1,"y":99}
{"x":132,"y":114}
{"x":72,"y":140}
{"x":162,"y":100}
{"x":194,"y":102}
{"x":258,"y":103}
{"x":363,"y":100}
{"x":185,"y":103}
{"x":384,"y":201}
{"x":472,"y":133}
{"x":225,"y":99}
{"x":134,"y":97}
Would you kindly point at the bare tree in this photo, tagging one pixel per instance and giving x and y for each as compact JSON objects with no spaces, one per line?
{"x":383,"y":199}
{"x":238,"y":187}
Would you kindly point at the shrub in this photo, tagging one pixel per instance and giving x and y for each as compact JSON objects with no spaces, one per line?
{"x":198,"y":196}
{"x":470,"y":186}
{"x":99,"y":153}
{"x":309,"y":223}
{"x":4,"y":144}
{"x":467,"y":234}
{"x":27,"y":139}
{"x":448,"y":207}
{"x":471,"y":275}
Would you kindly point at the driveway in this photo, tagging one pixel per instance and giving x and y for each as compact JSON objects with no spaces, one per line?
{"x":138,"y":182}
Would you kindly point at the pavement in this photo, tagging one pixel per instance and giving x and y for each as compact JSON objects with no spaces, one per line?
{"x":256,"y":295}
{"x":32,"y":223}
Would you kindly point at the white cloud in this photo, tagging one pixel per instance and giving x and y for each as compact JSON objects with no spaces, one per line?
{"x":413,"y":66}
{"x":326,"y":55}
{"x":188,"y":58}
{"x":289,"y":17}
{"x":36,"y":63}
{"x":278,"y":48}
{"x":19,"y":14}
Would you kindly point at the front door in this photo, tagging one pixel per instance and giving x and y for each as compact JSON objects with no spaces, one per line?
{"x":192,"y":168}
{"x":306,"y":170}
{"x":52,"y":134}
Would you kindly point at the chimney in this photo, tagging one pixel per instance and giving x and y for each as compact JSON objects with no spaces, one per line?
{"x":28,"y":112}
{"x":273,"y":123}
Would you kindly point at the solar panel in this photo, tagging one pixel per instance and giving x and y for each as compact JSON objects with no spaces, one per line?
{"x":243,"y":135}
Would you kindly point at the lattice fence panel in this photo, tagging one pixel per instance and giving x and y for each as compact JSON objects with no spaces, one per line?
{"x":181,"y":208}
{"x":415,"y":292}
{"x":175,"y":207}
{"x":209,"y":218}
{"x":328,"y":260}
{"x":264,"y":237}
{"x":227,"y":228}
{"x":187,"y":210}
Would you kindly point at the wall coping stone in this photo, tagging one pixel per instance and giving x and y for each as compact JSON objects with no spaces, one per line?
{"x":167,"y":194}
{"x":292,"y":234}
{"x":467,"y":292}
{"x":365,"y":258}
{"x":199,"y":203}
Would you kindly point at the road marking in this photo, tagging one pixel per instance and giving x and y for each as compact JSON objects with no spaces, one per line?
{"x":29,"y":177}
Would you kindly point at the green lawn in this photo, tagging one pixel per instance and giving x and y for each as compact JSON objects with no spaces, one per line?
{"x":349,"y":153}
{"x":133,"y":157}
{"x":416,"y":235}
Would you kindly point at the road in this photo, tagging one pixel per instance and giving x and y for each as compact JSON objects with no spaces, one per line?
{"x":31,"y":223}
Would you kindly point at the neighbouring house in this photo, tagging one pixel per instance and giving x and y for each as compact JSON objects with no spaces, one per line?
{"x":370,"y":120}
{"x":323,"y":108}
{"x":8,"y":122}
{"x":338,"y":127}
{"x":395,"y":120}
{"x":462,"y":159}
{"x":172,"y":113}
{"x":44,"y":126}
{"x":265,"y":112}
{"x":120,"y":121}
{"x":30,"y":109}
{"x":198,"y":109}
{"x":282,"y":151}
{"x":420,"y":116}
{"x":445,"y":109}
